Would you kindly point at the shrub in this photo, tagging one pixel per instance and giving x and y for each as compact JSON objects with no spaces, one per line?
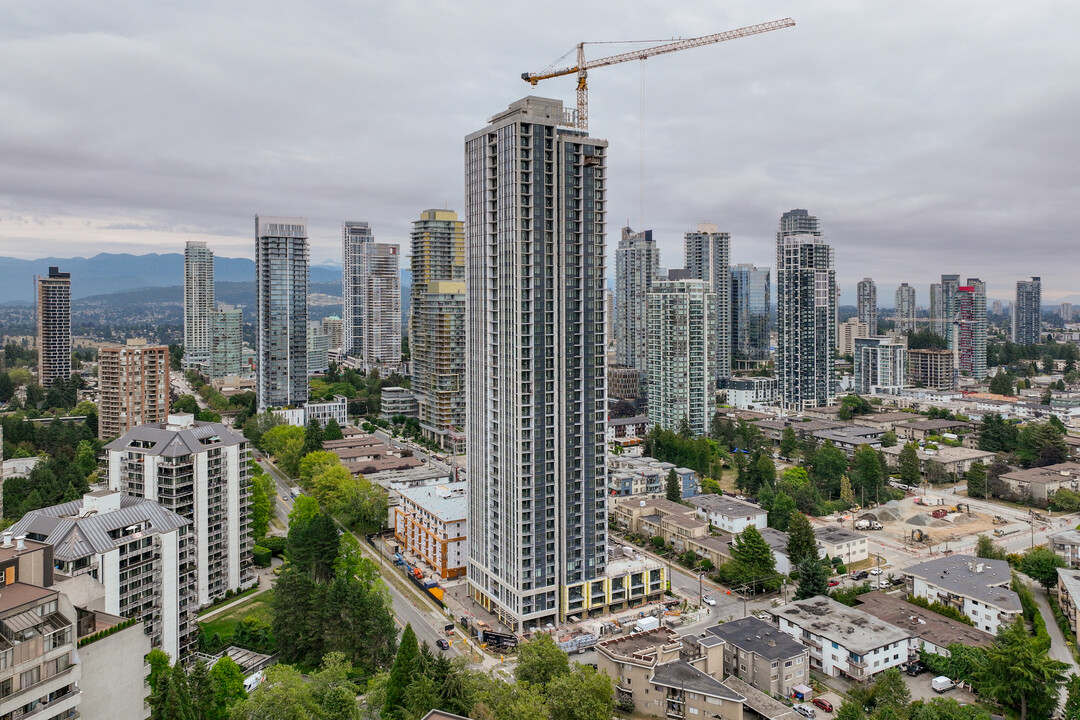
{"x":841,"y":569}
{"x":941,"y":609}
{"x":275,"y":544}
{"x":261,"y":556}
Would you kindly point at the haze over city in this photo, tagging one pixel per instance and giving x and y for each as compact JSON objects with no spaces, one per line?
{"x":928,"y":138}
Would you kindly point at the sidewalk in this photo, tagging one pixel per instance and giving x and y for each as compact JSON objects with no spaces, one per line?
{"x":266,"y":581}
{"x":1058,"y":649}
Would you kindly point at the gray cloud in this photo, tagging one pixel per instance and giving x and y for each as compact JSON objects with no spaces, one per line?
{"x":928,"y":137}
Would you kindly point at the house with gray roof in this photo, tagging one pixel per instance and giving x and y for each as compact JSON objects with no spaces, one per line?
{"x":202,"y":472}
{"x":729,"y":514}
{"x":977,"y":587}
{"x":126,"y":556}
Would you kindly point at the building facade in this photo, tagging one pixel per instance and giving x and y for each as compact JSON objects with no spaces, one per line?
{"x":437,"y":327}
{"x":846,"y":334}
{"x":198,"y":304}
{"x":880,"y":365}
{"x":281,"y":284}
{"x":371,"y":296}
{"x":866,"y":304}
{"x":318,"y":350}
{"x":226,"y":342}
{"x":536,"y":198}
{"x":430,"y":522}
{"x":134,"y":381}
{"x":708,"y":258}
{"x":747,"y":393}
{"x":637,"y":265}
{"x":53,"y":326}
{"x":932,"y":368}
{"x":624,"y":382}
{"x":904,"y":310}
{"x":759,"y":654}
{"x":943,"y":304}
{"x":1027,"y":312}
{"x":969,"y":329}
{"x":806,"y":313}
{"x":681,"y":330}
{"x":751,"y":317}
{"x":139,"y":552}
{"x":200,"y":471}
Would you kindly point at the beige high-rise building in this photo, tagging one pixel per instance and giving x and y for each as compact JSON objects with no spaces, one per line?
{"x":437,"y":326}
{"x":53,"y":326}
{"x":134,"y":386}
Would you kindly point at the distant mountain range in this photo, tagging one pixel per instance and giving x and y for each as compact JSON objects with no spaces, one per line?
{"x":108,"y":273}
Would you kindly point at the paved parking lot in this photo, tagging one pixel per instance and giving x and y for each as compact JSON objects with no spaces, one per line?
{"x":921,"y":690}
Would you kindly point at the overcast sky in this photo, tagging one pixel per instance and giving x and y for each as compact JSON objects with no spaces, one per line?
{"x":928,"y":137}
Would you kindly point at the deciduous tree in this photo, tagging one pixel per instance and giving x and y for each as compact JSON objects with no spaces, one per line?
{"x":540,"y":660}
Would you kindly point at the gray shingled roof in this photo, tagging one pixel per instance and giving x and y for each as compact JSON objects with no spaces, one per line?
{"x":753,"y":635}
{"x":681,"y":674}
{"x":728,"y":507}
{"x":176,"y":441}
{"x":73,"y":537}
{"x":956,"y":574}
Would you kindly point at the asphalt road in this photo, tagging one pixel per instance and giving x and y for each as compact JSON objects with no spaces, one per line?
{"x":405,"y":607}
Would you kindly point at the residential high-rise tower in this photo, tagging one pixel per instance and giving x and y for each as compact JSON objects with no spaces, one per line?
{"x":536,"y":198}
{"x":904,"y":310}
{"x":866,"y":304}
{"x":682,"y":385}
{"x":437,"y":326}
{"x":281,"y":282}
{"x":708,"y":258}
{"x":943,"y":304}
{"x":751,"y":316}
{"x":134,"y":382}
{"x":226,"y":342}
{"x":371,"y":296}
{"x":1027,"y":312}
{"x":805,"y":313}
{"x":53,"y":326}
{"x":637,"y":263}
{"x":198,"y":305}
{"x":969,"y":329}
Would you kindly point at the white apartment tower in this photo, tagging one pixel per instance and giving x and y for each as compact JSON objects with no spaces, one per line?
{"x":866,"y":304}
{"x":708,"y":258}
{"x":200,"y":471}
{"x":139,"y":552}
{"x":805,"y":313}
{"x":281,"y":282}
{"x":437,"y":326}
{"x":904,"y":313}
{"x":682,"y":323}
{"x":371,"y":296}
{"x":535,"y":198}
{"x":198,"y":305}
{"x":637,"y":263}
{"x":880,"y":365}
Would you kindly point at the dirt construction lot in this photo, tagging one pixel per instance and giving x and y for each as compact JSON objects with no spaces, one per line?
{"x":900,"y":517}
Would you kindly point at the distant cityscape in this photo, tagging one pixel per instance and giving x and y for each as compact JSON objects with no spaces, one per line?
{"x":532,"y":453}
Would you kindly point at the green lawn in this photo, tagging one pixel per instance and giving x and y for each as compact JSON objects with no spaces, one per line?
{"x":257,"y":607}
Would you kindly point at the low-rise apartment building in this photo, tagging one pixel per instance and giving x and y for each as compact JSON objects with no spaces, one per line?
{"x":637,"y":476}
{"x":398,"y":401}
{"x":951,"y":460}
{"x":922,"y":429}
{"x":838,"y":542}
{"x":649,"y":668}
{"x":747,"y":393}
{"x":977,"y":587}
{"x":628,"y":427}
{"x":843,"y":641}
{"x":1067,"y":545}
{"x":1038,"y":485}
{"x":931,"y":632}
{"x":729,"y":514}
{"x":1068,"y":595}
{"x":431,"y":522}
{"x":760,"y":654}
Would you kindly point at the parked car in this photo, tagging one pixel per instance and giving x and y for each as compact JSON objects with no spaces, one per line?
{"x":861,"y":575}
{"x":823,"y":704}
{"x":898,"y":581}
{"x":806,"y":710}
{"x":763,"y":616}
{"x":834,"y":583}
{"x":884,"y":585}
{"x":442,"y":644}
{"x":708,"y":600}
{"x":875,"y":571}
{"x":915,"y":669}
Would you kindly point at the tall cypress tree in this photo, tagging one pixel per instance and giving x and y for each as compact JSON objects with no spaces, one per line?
{"x":401,"y":672}
{"x":802,"y":544}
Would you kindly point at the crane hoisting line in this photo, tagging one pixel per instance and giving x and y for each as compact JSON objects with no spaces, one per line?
{"x":581,"y":69}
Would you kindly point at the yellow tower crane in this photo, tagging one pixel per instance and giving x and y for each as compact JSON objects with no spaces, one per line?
{"x":582,"y":68}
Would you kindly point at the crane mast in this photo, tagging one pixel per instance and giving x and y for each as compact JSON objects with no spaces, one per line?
{"x":582,"y":67}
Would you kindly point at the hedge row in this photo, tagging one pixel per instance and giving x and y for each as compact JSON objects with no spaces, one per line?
{"x":107,"y":631}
